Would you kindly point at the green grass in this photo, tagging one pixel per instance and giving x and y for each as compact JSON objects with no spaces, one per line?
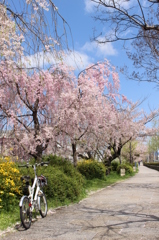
{"x":113,"y":177}
{"x":9,"y":219}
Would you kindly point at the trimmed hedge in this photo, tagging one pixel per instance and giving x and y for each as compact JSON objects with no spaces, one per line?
{"x":152,"y":165}
{"x":91,"y":169}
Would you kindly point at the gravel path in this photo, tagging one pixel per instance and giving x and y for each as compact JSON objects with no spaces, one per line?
{"x":127,"y":210}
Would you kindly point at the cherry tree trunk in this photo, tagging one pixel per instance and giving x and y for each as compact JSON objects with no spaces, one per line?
{"x":119,"y":158}
{"x":38,"y":156}
{"x":116,"y":154}
{"x":74,"y":154}
{"x":130,"y":153}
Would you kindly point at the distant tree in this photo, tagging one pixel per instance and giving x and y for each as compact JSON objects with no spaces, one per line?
{"x":128,"y":151}
{"x":135,"y":21}
{"x":135,"y":151}
{"x":126,"y":124}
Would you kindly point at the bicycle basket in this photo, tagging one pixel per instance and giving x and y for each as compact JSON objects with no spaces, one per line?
{"x":42,"y":181}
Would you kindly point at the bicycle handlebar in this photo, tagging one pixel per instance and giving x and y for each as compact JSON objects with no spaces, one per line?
{"x":36,"y":164}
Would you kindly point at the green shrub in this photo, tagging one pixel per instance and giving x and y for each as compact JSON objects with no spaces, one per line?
{"x":60,"y":186}
{"x":65,"y":183}
{"x":114,"y":165}
{"x":92,"y":169}
{"x":65,"y":166}
{"x":55,"y":160}
{"x":128,"y":168}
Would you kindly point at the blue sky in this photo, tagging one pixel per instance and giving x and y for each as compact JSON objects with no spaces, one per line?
{"x":78,"y":14}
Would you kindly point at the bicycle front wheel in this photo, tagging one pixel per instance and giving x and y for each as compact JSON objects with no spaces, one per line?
{"x":42,"y":205}
{"x":25,"y":213}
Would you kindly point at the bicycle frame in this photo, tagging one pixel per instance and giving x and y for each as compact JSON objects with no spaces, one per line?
{"x":36,"y":198}
{"x":33,"y":198}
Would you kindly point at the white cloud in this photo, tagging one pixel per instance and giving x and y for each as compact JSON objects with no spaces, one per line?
{"x":124,"y":4}
{"x":125,"y":33}
{"x":89,"y":6}
{"x":75,"y":59}
{"x":102,"y":50}
{"x":79,"y":60}
{"x":38,"y":60}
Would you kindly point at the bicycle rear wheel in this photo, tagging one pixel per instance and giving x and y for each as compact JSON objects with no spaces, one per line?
{"x":42,"y":205}
{"x":25,"y":213}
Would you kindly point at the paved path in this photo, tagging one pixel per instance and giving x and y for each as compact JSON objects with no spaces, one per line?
{"x":127,"y":210}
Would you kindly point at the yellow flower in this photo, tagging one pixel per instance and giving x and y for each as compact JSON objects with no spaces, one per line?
{"x":11,"y":194}
{"x":9,"y":180}
{"x":15,"y":170}
{"x":12,"y":183}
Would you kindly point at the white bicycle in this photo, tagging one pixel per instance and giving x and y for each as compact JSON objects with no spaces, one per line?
{"x":33,"y":201}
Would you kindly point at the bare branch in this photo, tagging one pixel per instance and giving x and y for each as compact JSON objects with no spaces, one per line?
{"x":137,"y":24}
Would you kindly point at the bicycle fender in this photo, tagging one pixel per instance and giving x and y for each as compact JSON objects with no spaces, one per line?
{"x":21,"y":200}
